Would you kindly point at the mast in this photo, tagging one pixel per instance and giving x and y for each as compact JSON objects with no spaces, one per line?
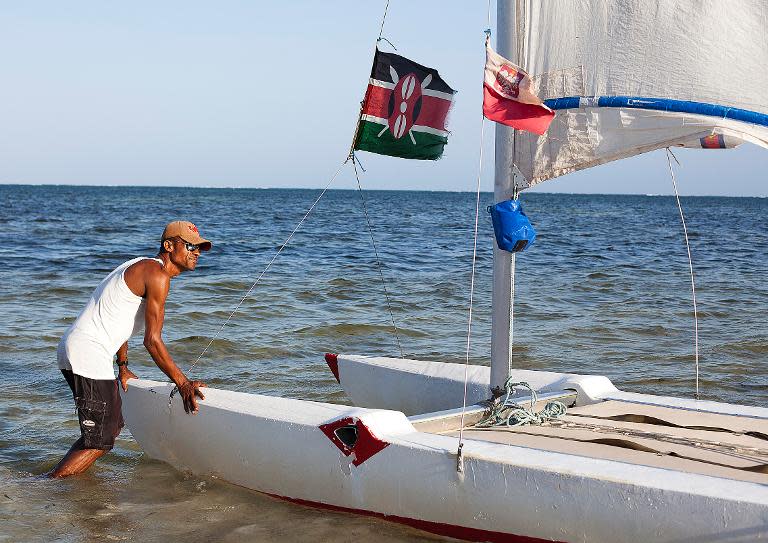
{"x":503,"y":262}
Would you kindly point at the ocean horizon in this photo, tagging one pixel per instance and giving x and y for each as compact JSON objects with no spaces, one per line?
{"x":485,"y":192}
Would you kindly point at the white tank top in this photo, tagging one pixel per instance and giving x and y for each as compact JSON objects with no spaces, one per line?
{"x":111,"y":316}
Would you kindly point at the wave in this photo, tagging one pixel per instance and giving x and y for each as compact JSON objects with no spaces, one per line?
{"x":346,"y":329}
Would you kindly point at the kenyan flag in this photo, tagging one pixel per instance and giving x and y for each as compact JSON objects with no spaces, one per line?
{"x":405,"y":110}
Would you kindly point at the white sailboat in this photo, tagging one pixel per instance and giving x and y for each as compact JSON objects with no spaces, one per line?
{"x":624,"y":78}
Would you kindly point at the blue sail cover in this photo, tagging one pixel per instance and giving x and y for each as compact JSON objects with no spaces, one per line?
{"x":629,"y":77}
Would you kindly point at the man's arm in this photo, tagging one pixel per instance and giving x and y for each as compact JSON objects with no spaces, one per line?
{"x":122,"y":352}
{"x":157,"y":287}
{"x":123,"y":373}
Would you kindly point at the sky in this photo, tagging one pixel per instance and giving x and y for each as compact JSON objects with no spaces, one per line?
{"x":264,"y":94}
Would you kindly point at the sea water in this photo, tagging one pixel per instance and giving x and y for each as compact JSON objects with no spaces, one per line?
{"x":605,"y":290}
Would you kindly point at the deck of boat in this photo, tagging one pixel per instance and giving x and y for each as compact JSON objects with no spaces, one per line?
{"x":726,"y":446}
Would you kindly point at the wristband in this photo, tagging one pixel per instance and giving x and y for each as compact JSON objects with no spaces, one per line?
{"x":122,"y":362}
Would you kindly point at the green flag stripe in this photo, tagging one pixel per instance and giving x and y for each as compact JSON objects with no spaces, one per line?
{"x":428,"y":146}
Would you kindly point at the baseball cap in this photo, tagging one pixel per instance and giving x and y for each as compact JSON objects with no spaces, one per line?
{"x":186,"y":231}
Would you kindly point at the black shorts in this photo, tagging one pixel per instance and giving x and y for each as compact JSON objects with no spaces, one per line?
{"x":99,"y":409}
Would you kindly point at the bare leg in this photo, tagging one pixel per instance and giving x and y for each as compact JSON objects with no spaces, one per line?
{"x":76,"y":461}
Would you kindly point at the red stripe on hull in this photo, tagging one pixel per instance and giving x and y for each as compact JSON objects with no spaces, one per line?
{"x":434,"y":111}
{"x":449,"y":530}
{"x":365,"y":444}
{"x":333,"y":362}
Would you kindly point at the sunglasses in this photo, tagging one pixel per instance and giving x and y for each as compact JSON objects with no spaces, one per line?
{"x":191,"y":247}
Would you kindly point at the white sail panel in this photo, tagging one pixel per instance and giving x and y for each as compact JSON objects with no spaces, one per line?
{"x":626,"y":77}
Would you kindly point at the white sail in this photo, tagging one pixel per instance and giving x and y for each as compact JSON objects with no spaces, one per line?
{"x":626,"y":77}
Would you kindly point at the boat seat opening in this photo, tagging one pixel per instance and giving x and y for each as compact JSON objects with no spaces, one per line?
{"x":347,"y":435}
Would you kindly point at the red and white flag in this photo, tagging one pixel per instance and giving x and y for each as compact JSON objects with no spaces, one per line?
{"x":507,"y":96}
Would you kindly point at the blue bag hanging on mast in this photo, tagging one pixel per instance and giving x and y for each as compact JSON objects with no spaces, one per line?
{"x":514,"y":232}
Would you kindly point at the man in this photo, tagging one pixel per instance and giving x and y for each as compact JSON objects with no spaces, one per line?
{"x":131,"y":297}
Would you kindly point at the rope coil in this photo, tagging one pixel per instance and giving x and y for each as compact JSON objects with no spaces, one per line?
{"x":510,"y":413}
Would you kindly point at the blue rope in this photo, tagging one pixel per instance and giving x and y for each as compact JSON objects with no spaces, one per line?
{"x":509,"y":413}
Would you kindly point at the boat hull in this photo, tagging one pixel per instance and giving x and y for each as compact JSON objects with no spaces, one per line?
{"x":282,"y":447}
{"x":419,"y":386}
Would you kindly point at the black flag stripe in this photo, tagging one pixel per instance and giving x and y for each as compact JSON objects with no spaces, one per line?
{"x":403,"y":66}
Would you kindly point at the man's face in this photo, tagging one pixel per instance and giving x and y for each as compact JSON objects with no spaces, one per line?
{"x":183,"y":254}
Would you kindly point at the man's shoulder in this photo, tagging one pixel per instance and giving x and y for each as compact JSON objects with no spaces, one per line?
{"x":145,"y":263}
{"x":148,"y":268}
{"x":147,"y":275}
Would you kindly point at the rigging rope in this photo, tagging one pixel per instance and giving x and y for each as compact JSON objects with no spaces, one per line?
{"x":376,"y":252}
{"x":509,"y":413}
{"x":512,"y":269}
{"x":355,"y":162}
{"x":460,"y":466}
{"x":365,"y":97}
{"x":384,"y":18}
{"x":671,"y":155}
{"x":459,"y":456}
{"x":258,"y":280}
{"x":520,"y":42}
{"x":512,"y":266}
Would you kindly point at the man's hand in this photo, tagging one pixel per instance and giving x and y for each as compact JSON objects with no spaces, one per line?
{"x":124,"y":374}
{"x":188,"y":390}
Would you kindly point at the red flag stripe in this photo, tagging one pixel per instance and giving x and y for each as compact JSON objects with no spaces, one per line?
{"x":516,"y":114}
{"x":434,"y":111}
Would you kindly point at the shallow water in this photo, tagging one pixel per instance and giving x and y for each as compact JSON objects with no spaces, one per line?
{"x":605,"y":290}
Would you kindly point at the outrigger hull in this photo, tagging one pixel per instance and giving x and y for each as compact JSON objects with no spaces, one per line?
{"x":299,"y":451}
